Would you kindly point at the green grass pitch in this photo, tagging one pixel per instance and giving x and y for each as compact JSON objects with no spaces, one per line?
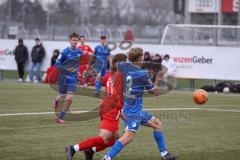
{"x":196,"y":134}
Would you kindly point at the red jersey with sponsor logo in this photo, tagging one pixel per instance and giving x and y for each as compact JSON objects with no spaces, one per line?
{"x":87,"y":50}
{"x":112,"y":104}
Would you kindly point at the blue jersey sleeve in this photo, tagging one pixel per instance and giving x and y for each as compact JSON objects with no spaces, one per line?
{"x":60,"y":60}
{"x":140,"y":80}
{"x":148,"y":84}
{"x":95,"y":51}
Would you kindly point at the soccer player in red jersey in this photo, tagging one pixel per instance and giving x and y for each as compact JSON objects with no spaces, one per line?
{"x":87,"y":52}
{"x":109,"y":112}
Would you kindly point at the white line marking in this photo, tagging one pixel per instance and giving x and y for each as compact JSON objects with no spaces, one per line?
{"x":221,"y":110}
{"x":23,"y":114}
{"x":204,"y":109}
{"x":169,"y":109}
{"x":35,"y":113}
{"x":148,"y":109}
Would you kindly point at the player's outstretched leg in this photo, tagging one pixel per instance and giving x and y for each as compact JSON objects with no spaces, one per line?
{"x":58,"y":100}
{"x":105,"y":139}
{"x":89,"y":146}
{"x":109,"y":134}
{"x":127,"y":137}
{"x":84,"y":146}
{"x":90,"y":152}
{"x":156,"y":124}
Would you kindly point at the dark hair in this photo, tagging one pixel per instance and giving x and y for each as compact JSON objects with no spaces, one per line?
{"x":54,"y":57}
{"x":134,"y":54}
{"x":56,"y":51}
{"x":158,"y":58}
{"x":118,"y":58}
{"x":166,"y":56}
{"x":20,"y":40}
{"x":103,"y":37}
{"x":73,"y":35}
{"x":147,"y":56}
{"x":146,"y":53}
{"x":81,"y":36}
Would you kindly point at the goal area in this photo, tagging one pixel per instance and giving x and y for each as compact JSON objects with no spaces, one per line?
{"x":206,"y":35}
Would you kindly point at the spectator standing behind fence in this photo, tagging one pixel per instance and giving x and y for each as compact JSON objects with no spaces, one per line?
{"x":157,"y":59}
{"x":38,"y":53}
{"x":21,"y":57}
{"x":172,"y":69}
{"x":147,"y":57}
{"x":54,"y":56}
{"x":52,"y":73}
{"x":156,"y":65}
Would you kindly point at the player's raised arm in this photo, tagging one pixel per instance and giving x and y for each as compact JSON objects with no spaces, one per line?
{"x":160,"y":74}
{"x":159,"y":77}
{"x":59,"y":61}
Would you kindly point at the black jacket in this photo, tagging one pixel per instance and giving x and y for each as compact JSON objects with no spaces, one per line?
{"x":21,"y":54}
{"x":38,"y":53}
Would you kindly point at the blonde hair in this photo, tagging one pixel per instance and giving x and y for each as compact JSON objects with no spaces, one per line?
{"x":134,"y":54}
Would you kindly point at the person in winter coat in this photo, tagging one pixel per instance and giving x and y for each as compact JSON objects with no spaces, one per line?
{"x":21,"y":57}
{"x":37,"y":55}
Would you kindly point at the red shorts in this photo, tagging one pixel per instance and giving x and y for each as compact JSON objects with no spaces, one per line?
{"x":109,"y":125}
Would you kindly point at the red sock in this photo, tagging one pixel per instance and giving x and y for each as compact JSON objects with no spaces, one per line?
{"x":91,"y":142}
{"x":102,"y":147}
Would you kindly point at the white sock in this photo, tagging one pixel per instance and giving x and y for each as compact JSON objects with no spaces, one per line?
{"x":94,"y":149}
{"x":76,"y":148}
{"x":164,"y":153}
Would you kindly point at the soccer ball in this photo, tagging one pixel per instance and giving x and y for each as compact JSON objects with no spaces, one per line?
{"x":200,"y":96}
{"x":226,"y":90}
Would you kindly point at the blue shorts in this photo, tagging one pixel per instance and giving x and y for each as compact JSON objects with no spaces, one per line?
{"x":133,"y":121}
{"x":100,"y":67}
{"x":67,"y":85}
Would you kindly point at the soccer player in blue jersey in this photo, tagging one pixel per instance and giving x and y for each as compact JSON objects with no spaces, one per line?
{"x":101,"y":64}
{"x":136,"y":81}
{"x":68,"y":64}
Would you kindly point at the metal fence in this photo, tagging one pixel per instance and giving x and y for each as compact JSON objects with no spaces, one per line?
{"x":205,"y":35}
{"x":172,"y":34}
{"x":146,"y":34}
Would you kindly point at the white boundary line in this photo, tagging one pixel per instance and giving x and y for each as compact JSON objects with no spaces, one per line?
{"x":35,"y":113}
{"x":204,"y":109}
{"x":170,"y":109}
{"x":221,"y":110}
{"x":148,"y":109}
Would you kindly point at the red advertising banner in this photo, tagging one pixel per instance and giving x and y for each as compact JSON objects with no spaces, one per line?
{"x":230,"y":6}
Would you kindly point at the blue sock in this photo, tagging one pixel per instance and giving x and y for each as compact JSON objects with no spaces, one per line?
{"x":61,"y":115}
{"x":159,"y":138}
{"x":116,"y":148}
{"x":98,"y":85}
